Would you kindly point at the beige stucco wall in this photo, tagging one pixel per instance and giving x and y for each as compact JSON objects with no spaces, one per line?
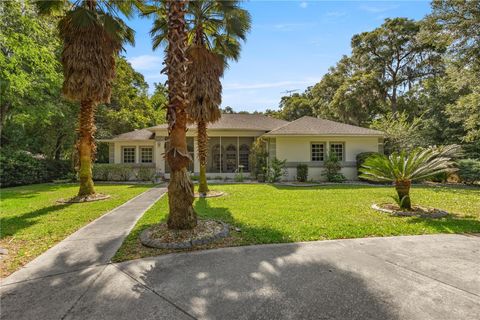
{"x":293,"y":149}
{"x":297,"y":149}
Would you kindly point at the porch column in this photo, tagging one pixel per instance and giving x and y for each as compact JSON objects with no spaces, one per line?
{"x":196,"y":162}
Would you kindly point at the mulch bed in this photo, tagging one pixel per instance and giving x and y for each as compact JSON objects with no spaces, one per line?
{"x":77,"y":199}
{"x":417,"y":211}
{"x":206,"y":231}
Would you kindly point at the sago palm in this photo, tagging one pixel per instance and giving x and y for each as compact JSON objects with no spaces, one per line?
{"x":402,"y":168}
{"x":92,"y":35}
{"x":215,"y":29}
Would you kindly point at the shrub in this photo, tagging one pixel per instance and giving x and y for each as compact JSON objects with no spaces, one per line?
{"x":332,"y":169}
{"x":360,"y":158}
{"x":114,"y":172}
{"x":276,"y":170}
{"x":146,"y":173}
{"x":20,"y":168}
{"x":469,"y":170}
{"x":302,"y":172}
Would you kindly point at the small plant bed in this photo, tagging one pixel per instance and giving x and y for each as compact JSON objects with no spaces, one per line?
{"x":206,"y":231}
{"x":209,"y":194}
{"x":416,"y":211}
{"x":298,"y":184}
{"x":89,"y":198}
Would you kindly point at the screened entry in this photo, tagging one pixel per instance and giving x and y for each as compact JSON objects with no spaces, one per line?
{"x":226,"y":154}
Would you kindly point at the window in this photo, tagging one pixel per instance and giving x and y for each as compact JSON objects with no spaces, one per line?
{"x":337,"y":150}
{"x":243,"y":157}
{"x":318,"y":151}
{"x":128,"y":154}
{"x":146,"y":154}
{"x":231,"y":158}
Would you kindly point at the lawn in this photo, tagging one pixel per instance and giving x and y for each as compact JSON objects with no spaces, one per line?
{"x":273,"y":214}
{"x":32,"y":221}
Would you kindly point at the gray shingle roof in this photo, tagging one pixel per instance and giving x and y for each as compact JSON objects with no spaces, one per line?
{"x":142,"y":134}
{"x":240,"y":121}
{"x":316,"y":126}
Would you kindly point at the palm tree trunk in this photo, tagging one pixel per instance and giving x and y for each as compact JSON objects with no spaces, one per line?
{"x":180,"y":189}
{"x":403,"y":191}
{"x":202,"y":139}
{"x":86,"y":147}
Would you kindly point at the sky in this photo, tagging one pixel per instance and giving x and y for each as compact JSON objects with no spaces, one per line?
{"x":291,"y":46}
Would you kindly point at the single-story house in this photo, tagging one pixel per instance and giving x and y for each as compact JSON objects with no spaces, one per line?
{"x":306,"y":140}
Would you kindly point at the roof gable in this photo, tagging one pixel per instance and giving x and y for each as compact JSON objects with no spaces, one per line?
{"x":317,"y":126}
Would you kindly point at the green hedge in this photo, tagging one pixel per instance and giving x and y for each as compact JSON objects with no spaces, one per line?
{"x":302,"y":172}
{"x":20,"y":168}
{"x":469,"y":170}
{"x":122,"y":172}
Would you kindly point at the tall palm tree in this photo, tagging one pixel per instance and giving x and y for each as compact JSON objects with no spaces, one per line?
{"x":404,"y":167}
{"x":92,"y":34}
{"x":180,"y":189}
{"x":215,"y":29}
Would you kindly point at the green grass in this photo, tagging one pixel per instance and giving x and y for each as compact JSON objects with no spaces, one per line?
{"x":273,"y":214}
{"x":32,"y":221}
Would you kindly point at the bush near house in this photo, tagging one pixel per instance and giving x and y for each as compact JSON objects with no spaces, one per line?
{"x":276,"y":170}
{"x":21,"y":168}
{"x":469,"y":170}
{"x":122,"y":172}
{"x":302,"y":172}
{"x":332,"y":169}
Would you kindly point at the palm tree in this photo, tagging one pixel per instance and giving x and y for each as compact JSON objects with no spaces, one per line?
{"x":402,"y":168}
{"x":180,"y":189}
{"x":215,"y":29}
{"x":92,"y":34}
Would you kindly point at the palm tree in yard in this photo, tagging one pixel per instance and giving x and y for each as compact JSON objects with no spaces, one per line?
{"x":215,"y":29}
{"x":404,"y":167}
{"x":92,"y":34}
{"x":180,"y":189}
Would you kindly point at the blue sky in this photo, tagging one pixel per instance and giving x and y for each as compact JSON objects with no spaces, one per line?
{"x":291,"y":45}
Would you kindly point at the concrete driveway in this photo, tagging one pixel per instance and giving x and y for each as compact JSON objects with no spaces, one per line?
{"x":411,"y":277}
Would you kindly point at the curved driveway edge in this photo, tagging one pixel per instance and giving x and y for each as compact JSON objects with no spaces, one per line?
{"x":431,"y":277}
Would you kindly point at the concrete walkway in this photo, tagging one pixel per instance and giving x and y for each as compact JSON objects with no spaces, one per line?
{"x":93,"y":245}
{"x":413,"y":277}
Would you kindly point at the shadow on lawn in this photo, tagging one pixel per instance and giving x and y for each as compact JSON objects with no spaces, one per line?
{"x":12,"y":225}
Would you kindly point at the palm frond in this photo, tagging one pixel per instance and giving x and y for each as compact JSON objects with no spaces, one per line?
{"x":417,"y":164}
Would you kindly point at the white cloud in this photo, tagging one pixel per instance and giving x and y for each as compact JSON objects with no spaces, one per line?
{"x":336,"y":14}
{"x":265,"y":85}
{"x":303,"y":4}
{"x":146,"y":62}
{"x":378,"y":8}
{"x":293,"y":26}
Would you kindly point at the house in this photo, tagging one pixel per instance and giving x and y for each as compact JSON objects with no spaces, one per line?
{"x":306,"y":140}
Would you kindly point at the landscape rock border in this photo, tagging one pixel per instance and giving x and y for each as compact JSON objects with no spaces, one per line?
{"x":210,"y":194}
{"x":435,"y":215}
{"x":147,"y":240}
{"x":97,"y":197}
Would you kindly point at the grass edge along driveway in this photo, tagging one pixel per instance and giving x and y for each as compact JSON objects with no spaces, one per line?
{"x":276,"y":214}
{"x":32,"y":221}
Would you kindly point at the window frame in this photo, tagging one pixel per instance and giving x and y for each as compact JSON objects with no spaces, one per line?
{"x":140,"y":155}
{"x":311,"y":150}
{"x":342,"y":143}
{"x":134,"y":154}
